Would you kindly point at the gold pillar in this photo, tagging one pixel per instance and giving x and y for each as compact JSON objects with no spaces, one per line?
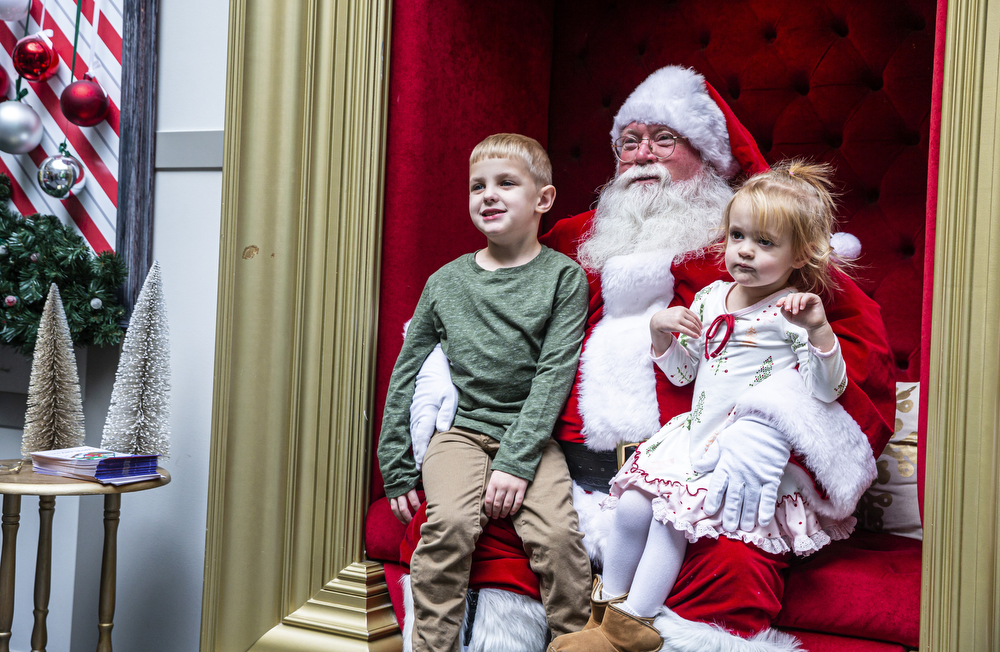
{"x":298,"y":282}
{"x":960,"y":606}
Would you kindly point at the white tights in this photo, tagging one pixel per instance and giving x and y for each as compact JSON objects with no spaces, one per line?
{"x":643,"y":555}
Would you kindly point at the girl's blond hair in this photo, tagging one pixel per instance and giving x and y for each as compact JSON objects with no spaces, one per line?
{"x":515,"y":146}
{"x":796,"y":195}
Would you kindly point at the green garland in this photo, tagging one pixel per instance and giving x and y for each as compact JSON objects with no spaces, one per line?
{"x":60,"y":257}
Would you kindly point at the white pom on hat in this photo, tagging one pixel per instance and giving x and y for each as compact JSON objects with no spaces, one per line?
{"x":845,"y":245}
{"x":676,"y":97}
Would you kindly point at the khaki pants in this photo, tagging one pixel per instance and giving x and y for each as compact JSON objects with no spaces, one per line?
{"x":456,"y":471}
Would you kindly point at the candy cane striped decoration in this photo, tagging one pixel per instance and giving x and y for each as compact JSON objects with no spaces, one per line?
{"x":93,"y":211}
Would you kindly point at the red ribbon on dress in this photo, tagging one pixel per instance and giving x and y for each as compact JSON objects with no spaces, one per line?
{"x":730,"y":323}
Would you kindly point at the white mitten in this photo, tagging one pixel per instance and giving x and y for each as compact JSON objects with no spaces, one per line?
{"x":747,"y":459}
{"x":435,"y":401}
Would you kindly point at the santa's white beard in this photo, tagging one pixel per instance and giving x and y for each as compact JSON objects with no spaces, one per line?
{"x":673,"y":217}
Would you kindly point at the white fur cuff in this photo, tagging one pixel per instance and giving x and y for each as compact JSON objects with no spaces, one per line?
{"x":680,"y":635}
{"x":832,"y":445}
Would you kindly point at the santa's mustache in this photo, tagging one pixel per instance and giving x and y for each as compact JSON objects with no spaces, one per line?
{"x":626,"y":179}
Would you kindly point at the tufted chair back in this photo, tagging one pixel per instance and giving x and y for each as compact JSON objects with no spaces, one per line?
{"x":848,"y":83}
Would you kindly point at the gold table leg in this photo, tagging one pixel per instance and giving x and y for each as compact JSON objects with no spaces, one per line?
{"x":106,"y":608}
{"x":11,"y":516}
{"x":43,"y":572}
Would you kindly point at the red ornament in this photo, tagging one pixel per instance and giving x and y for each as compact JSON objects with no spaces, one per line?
{"x":84,"y":102}
{"x":4,"y":83}
{"x":34,"y":58}
{"x":33,"y":258}
{"x":10,"y":301}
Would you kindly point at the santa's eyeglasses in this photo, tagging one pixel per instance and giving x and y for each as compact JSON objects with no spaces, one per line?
{"x":661,"y":146}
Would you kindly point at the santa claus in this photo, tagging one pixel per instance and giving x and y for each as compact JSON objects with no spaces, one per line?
{"x":644,"y":249}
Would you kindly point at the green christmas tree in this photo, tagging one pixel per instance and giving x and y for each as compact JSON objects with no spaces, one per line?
{"x":39,"y":250}
{"x":694,"y":416}
{"x":794,"y":340}
{"x":764,"y":372}
{"x":55,"y":411}
{"x":138,"y":420}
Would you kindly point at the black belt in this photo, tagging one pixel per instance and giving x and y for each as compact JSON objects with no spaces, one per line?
{"x":592,"y":470}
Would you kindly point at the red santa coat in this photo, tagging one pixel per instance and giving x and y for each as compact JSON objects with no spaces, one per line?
{"x":869,"y":400}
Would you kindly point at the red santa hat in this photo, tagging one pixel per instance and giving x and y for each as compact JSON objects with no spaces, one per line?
{"x":680,"y":98}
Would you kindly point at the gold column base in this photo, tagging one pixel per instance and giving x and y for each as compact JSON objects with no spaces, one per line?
{"x":352,"y":612}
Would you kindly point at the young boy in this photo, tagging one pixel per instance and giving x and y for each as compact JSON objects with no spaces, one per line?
{"x":510,"y":318}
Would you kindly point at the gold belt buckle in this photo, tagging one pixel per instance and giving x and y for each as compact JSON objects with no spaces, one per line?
{"x":625,"y":450}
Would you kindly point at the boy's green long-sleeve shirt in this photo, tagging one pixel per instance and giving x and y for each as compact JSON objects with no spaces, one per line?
{"x":512,"y":337}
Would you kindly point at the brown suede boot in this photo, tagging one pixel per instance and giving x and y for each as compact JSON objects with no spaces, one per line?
{"x":598,"y":606}
{"x":620,"y":632}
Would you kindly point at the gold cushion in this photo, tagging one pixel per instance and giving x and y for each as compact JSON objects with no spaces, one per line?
{"x":890,"y":505}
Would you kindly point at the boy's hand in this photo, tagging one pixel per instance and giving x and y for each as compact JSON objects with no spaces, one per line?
{"x":504,"y":494}
{"x":805,"y":310}
{"x":672,"y":320}
{"x":401,"y":506}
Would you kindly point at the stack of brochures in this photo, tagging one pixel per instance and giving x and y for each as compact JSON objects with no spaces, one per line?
{"x":89,"y":463}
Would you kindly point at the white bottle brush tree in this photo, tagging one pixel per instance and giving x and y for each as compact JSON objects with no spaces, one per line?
{"x":138,"y":420}
{"x":55,"y":410}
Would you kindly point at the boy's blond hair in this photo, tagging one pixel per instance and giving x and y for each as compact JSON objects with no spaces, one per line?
{"x":516,"y":147}
{"x":796,"y":195}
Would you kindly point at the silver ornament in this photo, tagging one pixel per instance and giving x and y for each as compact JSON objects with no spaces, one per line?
{"x":96,"y":304}
{"x":11,"y":10}
{"x":20,"y":128}
{"x":3,"y":250}
{"x":61,"y":176}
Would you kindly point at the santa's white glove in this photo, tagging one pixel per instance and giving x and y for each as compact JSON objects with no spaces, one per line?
{"x":435,"y":401}
{"x":748,"y":459}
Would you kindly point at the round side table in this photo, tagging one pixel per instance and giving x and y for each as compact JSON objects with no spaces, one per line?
{"x":47,"y":487}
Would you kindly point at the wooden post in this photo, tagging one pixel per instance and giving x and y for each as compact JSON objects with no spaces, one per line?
{"x":43,"y":572}
{"x":11,"y":517}
{"x":106,"y":605}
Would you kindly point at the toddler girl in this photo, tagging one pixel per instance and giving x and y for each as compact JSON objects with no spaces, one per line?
{"x":734,"y":335}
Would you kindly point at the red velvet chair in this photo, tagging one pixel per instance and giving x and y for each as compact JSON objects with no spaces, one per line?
{"x":844,"y":82}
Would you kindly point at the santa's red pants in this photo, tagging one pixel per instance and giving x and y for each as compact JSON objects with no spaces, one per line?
{"x":730,"y":583}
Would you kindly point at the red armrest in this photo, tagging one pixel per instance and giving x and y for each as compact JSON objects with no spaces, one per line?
{"x":866,"y":586}
{"x":816,"y":642}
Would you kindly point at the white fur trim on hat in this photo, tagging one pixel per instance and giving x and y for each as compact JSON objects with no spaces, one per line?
{"x":676,"y":97}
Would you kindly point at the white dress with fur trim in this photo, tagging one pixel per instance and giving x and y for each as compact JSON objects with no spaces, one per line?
{"x":736,"y":351}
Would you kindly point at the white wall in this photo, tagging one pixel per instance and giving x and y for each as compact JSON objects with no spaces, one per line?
{"x":161,"y":540}
{"x":191,"y":88}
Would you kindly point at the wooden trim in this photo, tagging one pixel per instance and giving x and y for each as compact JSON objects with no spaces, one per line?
{"x":298,"y":289}
{"x":137,"y":146}
{"x":960,"y":587}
